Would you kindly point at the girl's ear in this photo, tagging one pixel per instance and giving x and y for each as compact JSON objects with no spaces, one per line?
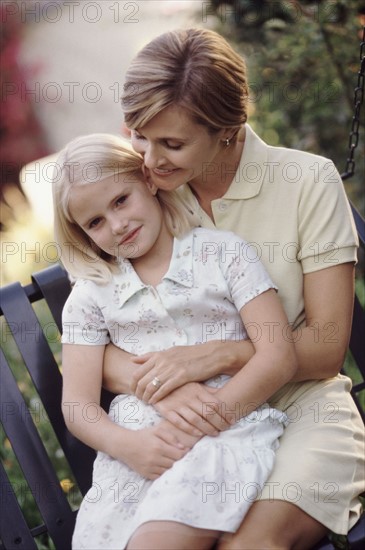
{"x":151,"y":186}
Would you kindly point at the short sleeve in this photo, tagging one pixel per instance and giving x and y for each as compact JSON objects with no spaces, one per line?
{"x":327,"y":233}
{"x":82,"y":317}
{"x":245,"y":274}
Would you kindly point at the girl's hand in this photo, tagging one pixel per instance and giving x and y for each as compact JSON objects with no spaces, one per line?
{"x":194,"y":409}
{"x":152,"y":451}
{"x":176,"y":366}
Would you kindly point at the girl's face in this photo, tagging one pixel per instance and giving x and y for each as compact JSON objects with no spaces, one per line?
{"x":176,"y":149}
{"x":121,"y":214}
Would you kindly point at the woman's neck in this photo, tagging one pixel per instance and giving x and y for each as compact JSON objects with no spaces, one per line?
{"x":215,"y":181}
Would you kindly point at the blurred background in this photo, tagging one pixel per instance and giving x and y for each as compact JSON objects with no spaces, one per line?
{"x":62,"y":71}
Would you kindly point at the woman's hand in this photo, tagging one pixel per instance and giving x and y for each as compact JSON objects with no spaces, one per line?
{"x":194,"y":409}
{"x":152,"y":451}
{"x":179,"y":365}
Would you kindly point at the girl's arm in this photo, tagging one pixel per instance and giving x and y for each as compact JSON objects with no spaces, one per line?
{"x":320,"y":346}
{"x":81,"y":408}
{"x":149,"y":455}
{"x":273,"y":364}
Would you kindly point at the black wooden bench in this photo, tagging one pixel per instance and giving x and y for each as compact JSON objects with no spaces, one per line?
{"x":20,"y":421}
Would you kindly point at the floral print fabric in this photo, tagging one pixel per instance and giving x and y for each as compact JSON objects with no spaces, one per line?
{"x":210,"y":278}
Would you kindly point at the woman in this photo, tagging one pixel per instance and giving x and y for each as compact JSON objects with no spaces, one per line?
{"x":185,"y":102}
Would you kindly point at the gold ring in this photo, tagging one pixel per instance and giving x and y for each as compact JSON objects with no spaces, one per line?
{"x":156,"y":382}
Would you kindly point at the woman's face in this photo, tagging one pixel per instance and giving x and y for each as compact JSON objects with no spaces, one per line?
{"x":176,"y":149}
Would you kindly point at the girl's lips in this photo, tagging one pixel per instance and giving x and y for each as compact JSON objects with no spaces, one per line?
{"x":130,"y":236}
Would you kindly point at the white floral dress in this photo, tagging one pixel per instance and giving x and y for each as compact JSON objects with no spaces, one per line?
{"x":210,"y":277}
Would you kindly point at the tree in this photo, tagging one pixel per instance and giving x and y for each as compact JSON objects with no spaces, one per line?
{"x":303,"y":63}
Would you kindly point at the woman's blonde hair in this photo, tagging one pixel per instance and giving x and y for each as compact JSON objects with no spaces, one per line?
{"x":84,"y":161}
{"x":196,"y":69}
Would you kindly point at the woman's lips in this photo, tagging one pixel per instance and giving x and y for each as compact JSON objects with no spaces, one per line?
{"x":164,"y":173}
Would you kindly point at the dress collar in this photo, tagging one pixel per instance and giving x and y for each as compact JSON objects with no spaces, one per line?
{"x":127,"y":283}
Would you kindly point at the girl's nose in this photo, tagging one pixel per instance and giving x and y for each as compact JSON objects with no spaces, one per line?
{"x":118,"y":225}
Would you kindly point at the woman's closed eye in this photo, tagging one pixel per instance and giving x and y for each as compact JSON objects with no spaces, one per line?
{"x":170,"y":144}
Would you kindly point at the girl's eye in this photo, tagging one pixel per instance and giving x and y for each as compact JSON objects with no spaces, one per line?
{"x":138,"y":136}
{"x":121,"y":200}
{"x":94,"y":223}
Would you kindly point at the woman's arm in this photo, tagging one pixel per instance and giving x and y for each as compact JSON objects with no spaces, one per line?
{"x":118,"y":370}
{"x":149,"y":455}
{"x":126,"y":373}
{"x":320,"y":349}
{"x":121,"y":374}
{"x":321,"y":346}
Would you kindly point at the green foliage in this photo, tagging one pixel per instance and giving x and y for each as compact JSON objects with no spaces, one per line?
{"x":303,"y":63}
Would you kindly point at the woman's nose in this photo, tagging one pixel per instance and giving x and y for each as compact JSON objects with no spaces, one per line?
{"x":152,"y":156}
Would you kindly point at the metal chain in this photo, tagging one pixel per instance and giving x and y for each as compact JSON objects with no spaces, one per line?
{"x":358,"y":101}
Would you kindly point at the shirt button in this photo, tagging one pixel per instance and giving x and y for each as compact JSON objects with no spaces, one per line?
{"x":223,"y":206}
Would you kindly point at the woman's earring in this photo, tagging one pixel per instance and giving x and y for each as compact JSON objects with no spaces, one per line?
{"x":227,"y":142}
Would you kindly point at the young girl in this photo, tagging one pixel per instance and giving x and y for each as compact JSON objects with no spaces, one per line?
{"x":146,"y":281}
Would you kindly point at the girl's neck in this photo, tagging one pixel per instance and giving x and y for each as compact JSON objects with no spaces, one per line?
{"x":215,"y":181}
{"x":151,"y":267}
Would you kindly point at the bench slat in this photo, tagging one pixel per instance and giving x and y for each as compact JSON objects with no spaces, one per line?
{"x":55,"y":288}
{"x":39,"y":472}
{"x":14,"y":531}
{"x":45,"y":374}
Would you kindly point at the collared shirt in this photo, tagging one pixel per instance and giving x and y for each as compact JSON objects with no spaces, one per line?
{"x":212,"y":275}
{"x":292,"y":208}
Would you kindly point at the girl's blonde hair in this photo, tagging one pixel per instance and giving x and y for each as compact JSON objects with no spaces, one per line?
{"x":196,"y":69}
{"x":84,"y":161}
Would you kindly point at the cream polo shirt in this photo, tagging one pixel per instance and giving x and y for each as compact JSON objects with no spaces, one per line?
{"x":292,"y":208}
{"x":210,"y":278}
